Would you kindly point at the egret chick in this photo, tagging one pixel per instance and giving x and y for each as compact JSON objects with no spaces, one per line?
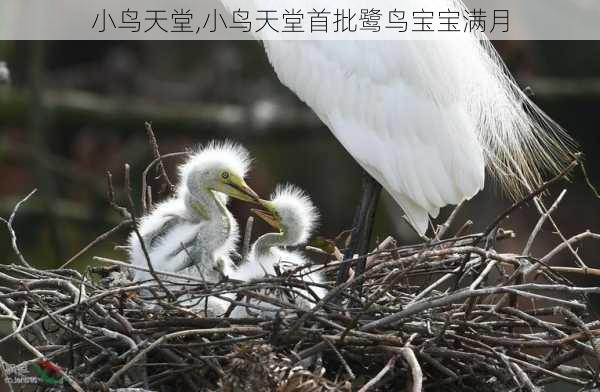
{"x":194,"y":231}
{"x":291,"y":212}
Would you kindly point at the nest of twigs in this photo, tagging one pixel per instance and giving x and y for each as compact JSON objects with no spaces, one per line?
{"x":446,"y":314}
{"x":450,"y":313}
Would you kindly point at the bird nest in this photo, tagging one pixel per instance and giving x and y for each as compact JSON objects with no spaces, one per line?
{"x":446,"y":314}
{"x":450,"y":313}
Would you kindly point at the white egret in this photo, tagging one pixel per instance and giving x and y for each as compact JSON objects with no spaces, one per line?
{"x":422,"y":118}
{"x":294,"y":215}
{"x":194,"y":231}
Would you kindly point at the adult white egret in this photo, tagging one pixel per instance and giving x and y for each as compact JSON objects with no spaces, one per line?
{"x":293,"y":214}
{"x":194,"y":229}
{"x":423,"y":118}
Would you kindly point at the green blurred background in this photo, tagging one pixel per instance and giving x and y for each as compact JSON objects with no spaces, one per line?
{"x":77,"y":109}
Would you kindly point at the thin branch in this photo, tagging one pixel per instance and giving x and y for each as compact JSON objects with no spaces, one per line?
{"x":379,"y":376}
{"x":156,"y":151}
{"x":157,"y":160}
{"x":97,"y":240}
{"x":340,"y":358}
{"x":464,"y":294}
{"x":524,"y":378}
{"x":415,"y":368}
{"x":541,"y":189}
{"x":576,"y":270}
{"x":446,"y":225}
{"x":13,"y":235}
{"x":247,"y":239}
{"x":180,"y":334}
{"x":138,"y":235}
{"x":540,"y":223}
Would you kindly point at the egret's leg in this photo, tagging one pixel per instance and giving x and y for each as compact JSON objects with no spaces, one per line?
{"x":362,"y":227}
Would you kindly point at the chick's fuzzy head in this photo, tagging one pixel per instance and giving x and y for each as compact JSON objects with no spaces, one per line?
{"x":213,"y":163}
{"x":297,"y":214}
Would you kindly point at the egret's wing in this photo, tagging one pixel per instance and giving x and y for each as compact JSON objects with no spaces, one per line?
{"x":395,"y":109}
{"x":151,"y":239}
{"x":163,"y":217}
{"x":154,"y":228}
{"x":235,"y":258}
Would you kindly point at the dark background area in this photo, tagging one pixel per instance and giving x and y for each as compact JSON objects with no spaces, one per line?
{"x":77,"y":109}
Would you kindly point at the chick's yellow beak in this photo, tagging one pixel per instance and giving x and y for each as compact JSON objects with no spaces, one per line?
{"x":236,"y":187}
{"x":269,"y":215}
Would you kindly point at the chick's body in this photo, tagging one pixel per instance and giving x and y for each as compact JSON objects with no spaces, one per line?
{"x":193,"y":233}
{"x":292,"y":211}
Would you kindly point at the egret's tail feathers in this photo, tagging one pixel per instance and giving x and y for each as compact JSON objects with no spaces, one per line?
{"x":522,"y":145}
{"x":417,"y":216}
{"x":414,"y":213}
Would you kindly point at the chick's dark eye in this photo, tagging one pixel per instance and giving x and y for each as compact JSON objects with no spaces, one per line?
{"x":225,"y":175}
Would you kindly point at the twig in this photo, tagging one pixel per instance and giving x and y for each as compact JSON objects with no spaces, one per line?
{"x":160,"y":168}
{"x":576,"y":270}
{"x":139,"y":236}
{"x":446,"y":225}
{"x":247,"y":238}
{"x":462,"y":295}
{"x":162,"y":339}
{"x":110,"y":192}
{"x":379,"y":376}
{"x":13,"y":235}
{"x":389,"y":242}
{"x":541,"y":189}
{"x":415,"y":368}
{"x":588,"y":181}
{"x":562,"y":237}
{"x":524,"y":378}
{"x":97,"y":240}
{"x":559,"y":248}
{"x":158,"y":272}
{"x":540,"y":223}
{"x":341,"y":358}
{"x":147,"y":169}
{"x":588,"y":334}
{"x":155,"y":150}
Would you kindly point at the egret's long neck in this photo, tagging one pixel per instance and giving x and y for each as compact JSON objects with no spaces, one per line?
{"x":267,"y":241}
{"x":262,"y":246}
{"x":203,"y":205}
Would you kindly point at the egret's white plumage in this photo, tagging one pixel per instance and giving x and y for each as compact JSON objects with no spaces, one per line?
{"x":294,"y":213}
{"x":424,"y":118}
{"x":194,"y":232}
